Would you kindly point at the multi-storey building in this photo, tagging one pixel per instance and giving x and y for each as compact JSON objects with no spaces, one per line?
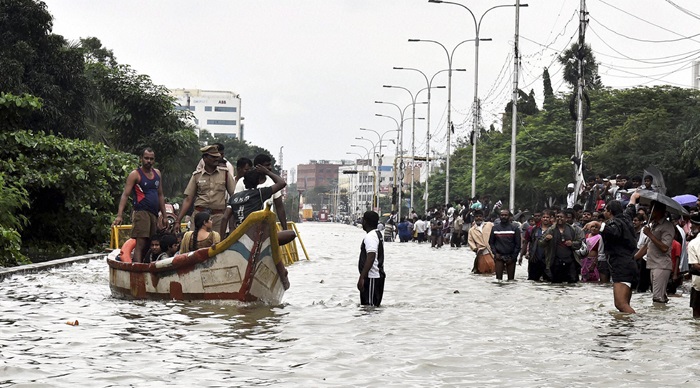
{"x":317,"y":173}
{"x":218,"y":112}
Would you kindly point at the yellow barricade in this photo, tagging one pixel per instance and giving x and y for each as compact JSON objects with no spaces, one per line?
{"x":290,"y":254}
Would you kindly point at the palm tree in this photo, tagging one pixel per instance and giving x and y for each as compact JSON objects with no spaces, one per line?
{"x":569,"y":59}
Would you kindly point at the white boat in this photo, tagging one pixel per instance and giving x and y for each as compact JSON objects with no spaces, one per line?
{"x":241,"y":267}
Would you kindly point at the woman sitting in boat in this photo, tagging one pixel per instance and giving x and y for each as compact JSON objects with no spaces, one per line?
{"x":202,"y":236}
{"x":253,"y":198}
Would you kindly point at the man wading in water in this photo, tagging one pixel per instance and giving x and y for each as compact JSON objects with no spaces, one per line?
{"x":505,"y":245}
{"x":371,"y":264}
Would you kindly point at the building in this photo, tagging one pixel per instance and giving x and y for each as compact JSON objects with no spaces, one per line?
{"x":357,"y":180}
{"x":218,"y":112}
{"x":318,"y":173}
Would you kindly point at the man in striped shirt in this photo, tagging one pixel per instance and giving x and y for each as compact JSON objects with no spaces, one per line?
{"x":505,"y":245}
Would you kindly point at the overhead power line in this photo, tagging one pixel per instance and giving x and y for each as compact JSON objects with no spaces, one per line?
{"x":644,"y":40}
{"x":644,"y":20}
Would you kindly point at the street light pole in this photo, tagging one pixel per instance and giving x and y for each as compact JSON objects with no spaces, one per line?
{"x":366,"y":157}
{"x":377,"y":176}
{"x":380,"y":155}
{"x":429,"y":82}
{"x":450,"y":56}
{"x":374,"y":181}
{"x":399,"y":148}
{"x":413,"y":131}
{"x":477,"y":111}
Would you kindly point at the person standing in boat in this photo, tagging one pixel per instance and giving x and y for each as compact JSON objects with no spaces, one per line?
{"x":147,"y":189}
{"x":253,"y":199}
{"x":266,"y":161}
{"x":207,"y":188}
{"x":371,"y":263}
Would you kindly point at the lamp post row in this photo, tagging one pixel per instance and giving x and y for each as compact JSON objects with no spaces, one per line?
{"x":476,"y":115}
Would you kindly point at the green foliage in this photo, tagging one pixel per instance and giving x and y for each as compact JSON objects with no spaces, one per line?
{"x":12,"y":199}
{"x":15,"y":109}
{"x":35,"y":61}
{"x":235,"y":149}
{"x":128,"y":112}
{"x":548,"y":91}
{"x":72,"y":186}
{"x":627,"y":130}
{"x":52,"y":91}
{"x":569,"y":60}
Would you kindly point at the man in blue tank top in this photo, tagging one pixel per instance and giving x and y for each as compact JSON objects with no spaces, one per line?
{"x":147,"y":189}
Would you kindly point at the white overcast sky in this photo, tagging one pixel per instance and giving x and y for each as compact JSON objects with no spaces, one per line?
{"x":308,"y":71}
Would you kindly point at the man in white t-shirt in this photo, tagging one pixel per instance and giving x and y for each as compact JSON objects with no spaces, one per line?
{"x":371,"y":263}
{"x":419,"y":227}
{"x":694,"y":265}
{"x":266,"y":161}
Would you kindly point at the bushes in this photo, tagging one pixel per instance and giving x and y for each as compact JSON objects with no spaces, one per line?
{"x":71,"y":185}
{"x":12,"y":199}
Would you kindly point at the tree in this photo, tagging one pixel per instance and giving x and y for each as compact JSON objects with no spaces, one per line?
{"x":35,"y":61}
{"x":12,"y":199}
{"x":72,"y":187}
{"x":128,"y":112}
{"x":569,"y":59}
{"x":235,"y":149}
{"x":548,"y":91}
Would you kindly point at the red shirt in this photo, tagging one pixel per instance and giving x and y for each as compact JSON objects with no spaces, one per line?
{"x":675,"y":253}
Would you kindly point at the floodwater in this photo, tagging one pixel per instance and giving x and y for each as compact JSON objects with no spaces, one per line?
{"x":439,"y":325}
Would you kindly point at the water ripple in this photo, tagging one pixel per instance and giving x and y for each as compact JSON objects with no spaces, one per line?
{"x":439,"y":325}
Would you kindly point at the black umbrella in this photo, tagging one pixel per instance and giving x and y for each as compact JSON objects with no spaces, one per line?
{"x":519,"y":215}
{"x":647,"y":196}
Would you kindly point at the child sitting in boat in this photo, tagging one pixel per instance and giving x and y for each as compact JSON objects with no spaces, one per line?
{"x":155,"y":250}
{"x":169,"y":246}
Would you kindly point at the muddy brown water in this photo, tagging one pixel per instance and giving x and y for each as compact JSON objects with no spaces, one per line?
{"x":438,"y":326}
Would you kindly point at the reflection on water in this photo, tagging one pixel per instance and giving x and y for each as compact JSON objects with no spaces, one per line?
{"x":439,"y":325}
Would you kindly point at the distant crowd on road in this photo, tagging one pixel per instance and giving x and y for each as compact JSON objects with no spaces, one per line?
{"x":616,"y":229}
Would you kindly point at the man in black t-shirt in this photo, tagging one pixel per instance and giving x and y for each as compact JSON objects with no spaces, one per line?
{"x":253,"y":198}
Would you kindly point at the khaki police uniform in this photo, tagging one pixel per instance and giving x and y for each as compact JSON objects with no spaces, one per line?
{"x":209,"y":193}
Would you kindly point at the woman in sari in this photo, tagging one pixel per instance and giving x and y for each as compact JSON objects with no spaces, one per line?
{"x":202,"y":236}
{"x":594,"y":248}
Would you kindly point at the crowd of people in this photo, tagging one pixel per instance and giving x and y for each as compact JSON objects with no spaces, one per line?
{"x":604,"y":234}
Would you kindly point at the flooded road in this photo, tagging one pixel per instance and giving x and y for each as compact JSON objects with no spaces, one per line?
{"x":438,"y":325}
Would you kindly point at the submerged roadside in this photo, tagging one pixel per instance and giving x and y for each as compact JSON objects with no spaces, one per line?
{"x":37,"y":267}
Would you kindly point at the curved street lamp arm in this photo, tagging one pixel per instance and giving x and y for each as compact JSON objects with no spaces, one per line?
{"x":401,"y":87}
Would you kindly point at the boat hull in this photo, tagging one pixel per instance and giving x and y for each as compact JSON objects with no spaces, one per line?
{"x":241,"y":267}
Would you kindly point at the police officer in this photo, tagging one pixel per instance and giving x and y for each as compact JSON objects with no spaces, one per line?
{"x":207,"y":188}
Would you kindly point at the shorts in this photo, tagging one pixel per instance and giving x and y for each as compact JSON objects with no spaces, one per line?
{"x":604,"y":268}
{"x":373,"y":291}
{"x":694,"y":298}
{"x":507,"y":258}
{"x":623,"y":270}
{"x":143,"y":224}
